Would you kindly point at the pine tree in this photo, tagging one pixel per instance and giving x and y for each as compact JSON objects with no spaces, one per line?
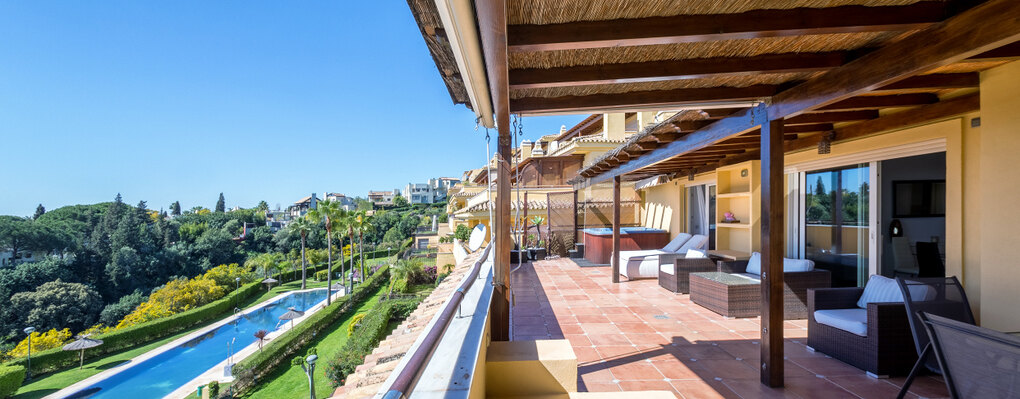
{"x":221,"y":204}
{"x":39,"y":211}
{"x":175,"y":208}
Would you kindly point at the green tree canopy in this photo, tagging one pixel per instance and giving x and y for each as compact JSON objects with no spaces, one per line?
{"x":221,"y":204}
{"x":59,"y":305}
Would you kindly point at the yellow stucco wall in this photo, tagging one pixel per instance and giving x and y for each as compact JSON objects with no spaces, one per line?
{"x":998,"y":193}
{"x":663,"y":208}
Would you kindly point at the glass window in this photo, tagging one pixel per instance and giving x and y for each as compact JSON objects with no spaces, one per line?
{"x":836,"y":212}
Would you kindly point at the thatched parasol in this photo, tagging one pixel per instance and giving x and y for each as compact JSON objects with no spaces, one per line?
{"x":291,"y":315}
{"x":269,"y":282}
{"x":81,"y":344}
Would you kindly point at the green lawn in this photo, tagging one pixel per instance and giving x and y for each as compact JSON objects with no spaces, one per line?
{"x":50,"y":383}
{"x":290,"y":381}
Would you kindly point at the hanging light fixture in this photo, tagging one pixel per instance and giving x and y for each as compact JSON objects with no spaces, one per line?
{"x":825,"y":146}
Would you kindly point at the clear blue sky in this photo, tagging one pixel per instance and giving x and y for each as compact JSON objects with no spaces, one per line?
{"x":182,"y":100}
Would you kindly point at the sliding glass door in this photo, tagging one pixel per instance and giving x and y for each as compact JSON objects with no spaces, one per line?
{"x":837,"y":220}
{"x":701,"y":211}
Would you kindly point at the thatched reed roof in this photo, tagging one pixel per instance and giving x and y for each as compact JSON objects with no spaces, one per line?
{"x":541,"y":12}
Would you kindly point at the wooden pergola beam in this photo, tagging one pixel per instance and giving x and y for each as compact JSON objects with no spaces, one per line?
{"x":746,"y":25}
{"x":650,"y":99}
{"x":833,"y":116}
{"x":935,"y":81}
{"x":878,"y":102}
{"x":809,"y":128}
{"x":653,"y":71}
{"x":984,"y":27}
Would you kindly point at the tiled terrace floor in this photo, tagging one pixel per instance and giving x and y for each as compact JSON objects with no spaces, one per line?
{"x":637,"y":336}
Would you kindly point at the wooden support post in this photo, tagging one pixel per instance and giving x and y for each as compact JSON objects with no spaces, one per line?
{"x":492,"y":17}
{"x":616,"y":230}
{"x":772,"y":253}
{"x":575,"y":218}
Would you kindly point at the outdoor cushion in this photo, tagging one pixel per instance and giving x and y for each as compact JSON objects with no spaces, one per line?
{"x":854,"y":321}
{"x":624,"y":255}
{"x":666,"y":268}
{"x":754,"y":264}
{"x":789,"y":265}
{"x":698,"y":241}
{"x":750,"y":276}
{"x":797,"y":265}
{"x":677,"y":242}
{"x":695,"y":254}
{"x":880,"y":289}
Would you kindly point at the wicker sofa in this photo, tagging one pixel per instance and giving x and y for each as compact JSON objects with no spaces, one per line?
{"x":675,"y":271}
{"x":795,"y":287}
{"x":888,"y":347}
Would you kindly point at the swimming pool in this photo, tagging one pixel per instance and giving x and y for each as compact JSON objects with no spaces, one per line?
{"x":167,"y":371}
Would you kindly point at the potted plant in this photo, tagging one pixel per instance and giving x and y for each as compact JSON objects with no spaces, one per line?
{"x":537,"y":252}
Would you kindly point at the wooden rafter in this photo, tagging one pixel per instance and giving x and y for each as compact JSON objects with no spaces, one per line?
{"x":651,"y":71}
{"x":878,"y":102}
{"x":830,"y":117}
{"x":808,"y":128}
{"x":746,"y":25}
{"x":650,"y":99}
{"x":984,"y":27}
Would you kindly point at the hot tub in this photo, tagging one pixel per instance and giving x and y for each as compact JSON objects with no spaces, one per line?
{"x":598,"y":242}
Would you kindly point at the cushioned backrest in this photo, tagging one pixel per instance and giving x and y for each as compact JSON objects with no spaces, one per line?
{"x":677,"y":242}
{"x":695,"y":254}
{"x":880,"y":289}
{"x":798,"y":265}
{"x":698,"y":241}
{"x":754,"y":264}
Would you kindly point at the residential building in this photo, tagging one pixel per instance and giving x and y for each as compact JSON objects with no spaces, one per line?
{"x":383,"y":198}
{"x":347,"y":203}
{"x":850,"y":169}
{"x":302,"y":206}
{"x":434,"y":191}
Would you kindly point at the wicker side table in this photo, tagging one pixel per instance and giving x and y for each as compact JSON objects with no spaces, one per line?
{"x":726,"y":294}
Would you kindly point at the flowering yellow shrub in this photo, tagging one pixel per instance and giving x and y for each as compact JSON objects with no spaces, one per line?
{"x":225,"y":274}
{"x":174,"y":297}
{"x":40,"y":342}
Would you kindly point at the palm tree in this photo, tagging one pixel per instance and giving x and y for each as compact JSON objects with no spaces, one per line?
{"x":348,"y":223}
{"x":302,"y":226}
{"x":330,"y":213}
{"x":363,"y":224}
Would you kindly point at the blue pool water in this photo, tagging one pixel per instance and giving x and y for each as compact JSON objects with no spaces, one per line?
{"x":164,"y":373}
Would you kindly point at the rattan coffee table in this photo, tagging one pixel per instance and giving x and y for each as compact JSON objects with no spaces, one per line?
{"x":726,"y":294}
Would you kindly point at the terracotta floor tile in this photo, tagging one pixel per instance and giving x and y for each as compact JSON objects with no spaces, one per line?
{"x":634,"y":371}
{"x":608,"y":339}
{"x":598,"y":387}
{"x":578,"y":340}
{"x":698,"y":389}
{"x":678,"y":370}
{"x":814,"y":387}
{"x":586,"y":354}
{"x":632,"y":327}
{"x":600,"y":328}
{"x":648,"y":386}
{"x":867,"y":387}
{"x":611,"y":352}
{"x":591,"y":318}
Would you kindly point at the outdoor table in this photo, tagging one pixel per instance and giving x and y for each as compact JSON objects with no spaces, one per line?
{"x":726,"y":294}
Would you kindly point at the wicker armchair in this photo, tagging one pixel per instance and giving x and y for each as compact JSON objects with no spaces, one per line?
{"x":795,"y":287}
{"x":888,"y":348}
{"x":675,"y":270}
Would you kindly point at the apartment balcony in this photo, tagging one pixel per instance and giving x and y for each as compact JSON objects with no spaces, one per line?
{"x":633,"y":338}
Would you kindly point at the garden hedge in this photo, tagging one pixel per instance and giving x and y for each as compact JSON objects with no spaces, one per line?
{"x":374,"y":327}
{"x":130,"y":337}
{"x":279,"y":351}
{"x":10,"y":380}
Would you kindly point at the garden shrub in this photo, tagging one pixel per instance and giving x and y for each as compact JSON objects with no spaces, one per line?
{"x":214,"y":389}
{"x":133,"y":336}
{"x":10,"y":380}
{"x":373,"y":329}
{"x":40,"y":342}
{"x":560,"y":244}
{"x":354,"y":323}
{"x":280,"y":350}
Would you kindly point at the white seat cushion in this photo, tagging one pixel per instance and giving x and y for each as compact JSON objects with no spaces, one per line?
{"x":798,"y":265}
{"x":754,"y":264}
{"x":641,"y":252}
{"x":695,"y":254}
{"x":677,"y":242}
{"x":880,"y":289}
{"x":854,"y":321}
{"x":789,"y":265}
{"x":698,"y":241}
{"x":754,"y":277}
{"x":666,"y":268}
